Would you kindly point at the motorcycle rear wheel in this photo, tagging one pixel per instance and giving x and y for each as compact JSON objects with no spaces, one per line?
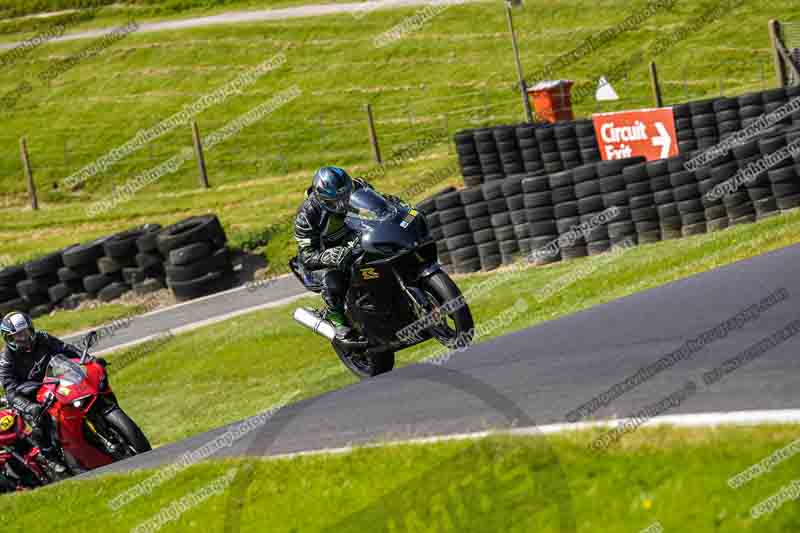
{"x":133,"y":437}
{"x":458,"y":329}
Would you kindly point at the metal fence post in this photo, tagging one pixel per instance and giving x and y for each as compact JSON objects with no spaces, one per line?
{"x":654,"y":84}
{"x":198,"y":152}
{"x":373,"y":136}
{"x":26,"y":165}
{"x":447,"y":132}
{"x":523,"y":88}
{"x":774,"y":41}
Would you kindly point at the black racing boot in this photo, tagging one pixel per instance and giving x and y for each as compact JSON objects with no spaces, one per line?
{"x":339,"y":321}
{"x":47,"y":456}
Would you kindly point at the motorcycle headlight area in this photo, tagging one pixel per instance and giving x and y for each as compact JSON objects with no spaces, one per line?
{"x":78,"y":403}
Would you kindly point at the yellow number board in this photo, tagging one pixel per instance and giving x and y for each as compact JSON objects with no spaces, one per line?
{"x":6,"y":422}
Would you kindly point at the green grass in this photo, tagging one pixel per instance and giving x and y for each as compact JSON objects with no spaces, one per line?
{"x":223,"y":373}
{"x":70,"y":321}
{"x":458,"y":61}
{"x":24,"y":8}
{"x":676,"y":477}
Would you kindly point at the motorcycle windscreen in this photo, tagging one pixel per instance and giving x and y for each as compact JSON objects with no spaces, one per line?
{"x":65,"y":370}
{"x":368,"y":208}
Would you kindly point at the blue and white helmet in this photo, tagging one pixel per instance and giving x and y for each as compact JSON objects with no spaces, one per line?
{"x":332,"y":187}
{"x":18,"y":332}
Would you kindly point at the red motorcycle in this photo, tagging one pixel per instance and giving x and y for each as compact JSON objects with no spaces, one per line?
{"x":91,"y":428}
{"x":22,"y":465}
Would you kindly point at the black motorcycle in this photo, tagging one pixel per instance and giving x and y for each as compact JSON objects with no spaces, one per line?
{"x":396,"y":284}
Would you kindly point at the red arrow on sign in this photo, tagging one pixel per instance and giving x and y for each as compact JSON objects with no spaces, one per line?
{"x":645,"y":132}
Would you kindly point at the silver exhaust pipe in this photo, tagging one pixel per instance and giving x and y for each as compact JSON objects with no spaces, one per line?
{"x":312,"y":321}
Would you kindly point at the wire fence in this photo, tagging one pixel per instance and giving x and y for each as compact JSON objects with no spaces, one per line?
{"x":311,"y":140}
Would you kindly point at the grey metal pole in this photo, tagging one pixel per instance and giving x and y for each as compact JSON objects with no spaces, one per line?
{"x":373,"y":135}
{"x":520,"y":76}
{"x":198,"y":152}
{"x":26,"y":166}
{"x":655,"y":85}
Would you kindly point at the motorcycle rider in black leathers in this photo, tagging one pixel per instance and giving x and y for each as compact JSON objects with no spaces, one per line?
{"x":23,"y":364}
{"x":325,"y":243}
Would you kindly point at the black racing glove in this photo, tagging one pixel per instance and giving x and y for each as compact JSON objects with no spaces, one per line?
{"x":33,"y":412}
{"x":393,"y":198}
{"x":336,"y":257}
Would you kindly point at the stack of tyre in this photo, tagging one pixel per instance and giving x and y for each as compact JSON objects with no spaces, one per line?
{"x":751,"y":107}
{"x":587,"y":141}
{"x":488,"y":155}
{"x":529,"y":148}
{"x":501,"y":222}
{"x":80,"y":265}
{"x":118,"y":265}
{"x":669,"y":220}
{"x":565,"y":210}
{"x":42,"y":278}
{"x":468,"y":158}
{"x":728,"y":119}
{"x":198,"y":262}
{"x":683,"y":128}
{"x":551,"y":157}
{"x":567,"y":144}
{"x":590,"y":204}
{"x":615,"y":195}
{"x":509,"y":150}
{"x":708,"y":177}
{"x":515,"y":200}
{"x":774,"y":99}
{"x":149,"y":275}
{"x":739,"y":207}
{"x":428,"y":208}
{"x":456,"y":230}
{"x":10,"y":299}
{"x":476,"y":210}
{"x":759,"y":189}
{"x":540,"y":215}
{"x":687,"y":197}
{"x":784,"y":177}
{"x":704,"y":124}
{"x":641,"y":202}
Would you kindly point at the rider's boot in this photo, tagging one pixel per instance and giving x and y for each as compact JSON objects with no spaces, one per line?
{"x":48,"y":454}
{"x":54,"y":465}
{"x":41,"y":437}
{"x":336,"y":316}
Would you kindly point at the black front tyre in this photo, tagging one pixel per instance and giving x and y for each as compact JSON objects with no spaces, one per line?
{"x":456,"y":328}
{"x":131,"y":435}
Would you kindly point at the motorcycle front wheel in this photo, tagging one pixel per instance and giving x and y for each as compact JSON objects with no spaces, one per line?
{"x":456,"y":329}
{"x":128,"y":432}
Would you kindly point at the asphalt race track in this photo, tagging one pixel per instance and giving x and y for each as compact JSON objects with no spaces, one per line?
{"x":537,"y":375}
{"x":197,"y":313}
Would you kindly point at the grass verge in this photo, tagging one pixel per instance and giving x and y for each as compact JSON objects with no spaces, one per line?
{"x":674,"y":477}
